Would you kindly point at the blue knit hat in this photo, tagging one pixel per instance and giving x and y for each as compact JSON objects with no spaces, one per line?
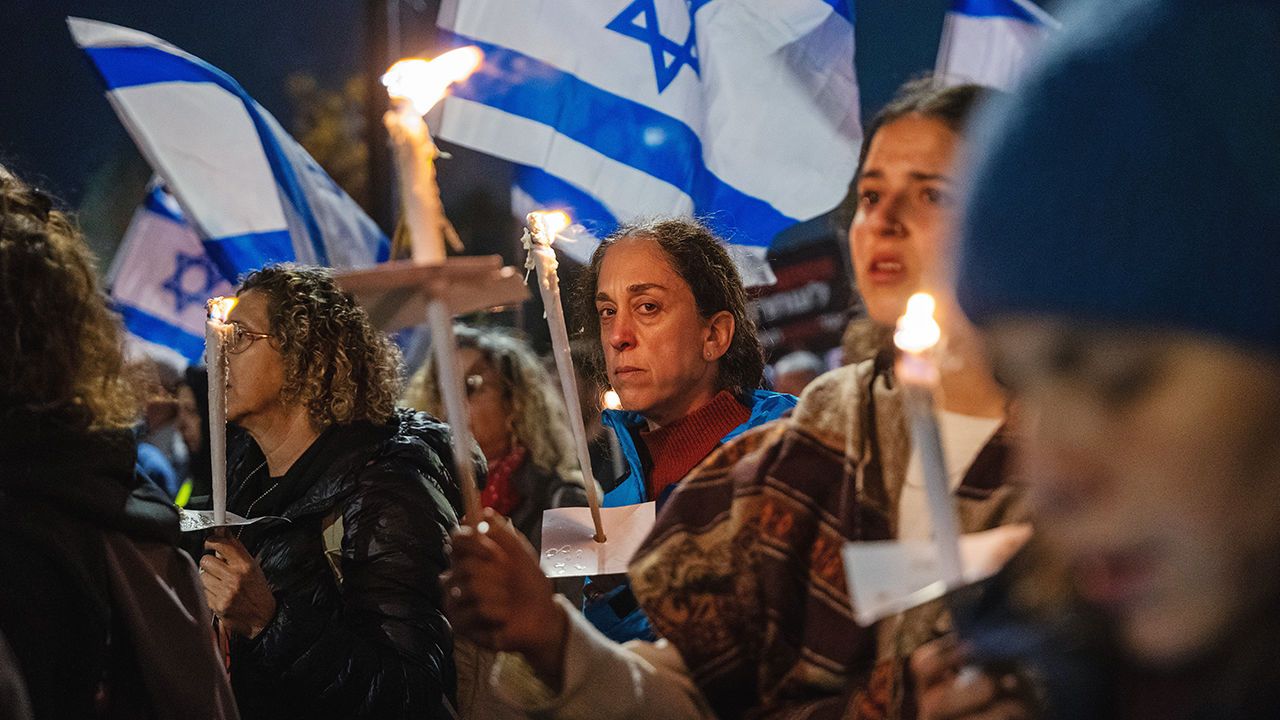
{"x":1134,"y":178}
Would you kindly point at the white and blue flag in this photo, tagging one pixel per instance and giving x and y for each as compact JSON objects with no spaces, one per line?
{"x":742,"y":112}
{"x":161,"y":277}
{"x":990,"y":42}
{"x":253,"y":194}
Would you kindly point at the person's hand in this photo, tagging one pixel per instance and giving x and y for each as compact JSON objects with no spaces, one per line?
{"x":235,"y":588}
{"x":948,"y":689}
{"x":497,"y":596}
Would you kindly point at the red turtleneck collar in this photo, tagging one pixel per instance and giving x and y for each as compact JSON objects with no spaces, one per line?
{"x":677,"y":448}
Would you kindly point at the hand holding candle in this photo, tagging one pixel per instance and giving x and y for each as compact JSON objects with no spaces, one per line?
{"x":543,"y":228}
{"x":916,"y":337}
{"x":217,"y":336}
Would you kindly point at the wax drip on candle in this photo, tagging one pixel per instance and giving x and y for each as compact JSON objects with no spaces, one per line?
{"x":539,"y":234}
{"x":415,"y":85}
{"x":220,"y":308}
{"x":217,"y":337}
{"x":546,"y":227}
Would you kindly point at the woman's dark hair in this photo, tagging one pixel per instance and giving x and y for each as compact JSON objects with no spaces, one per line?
{"x":335,"y":362}
{"x":60,"y":345}
{"x":700,"y":259}
{"x":923,"y":96}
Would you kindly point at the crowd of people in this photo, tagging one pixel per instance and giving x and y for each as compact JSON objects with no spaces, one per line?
{"x":1101,"y":243}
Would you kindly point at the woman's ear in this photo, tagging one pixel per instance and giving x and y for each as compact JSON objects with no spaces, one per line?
{"x":720,"y":329}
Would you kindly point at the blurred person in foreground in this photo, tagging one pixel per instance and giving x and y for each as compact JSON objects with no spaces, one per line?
{"x":519,"y":421}
{"x":1122,"y":252}
{"x":741,"y":575}
{"x":102,"y":612}
{"x":335,"y":613}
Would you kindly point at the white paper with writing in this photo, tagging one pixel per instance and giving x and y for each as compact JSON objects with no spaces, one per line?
{"x":889,"y":577}
{"x":191,"y":520}
{"x":568,"y":539}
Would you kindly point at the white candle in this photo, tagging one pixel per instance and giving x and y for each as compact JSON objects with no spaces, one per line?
{"x":611,"y":401}
{"x":217,"y":333}
{"x":544,"y":227}
{"x":415,"y":86}
{"x":419,"y":193}
{"x":916,"y":336}
{"x":456,"y":411}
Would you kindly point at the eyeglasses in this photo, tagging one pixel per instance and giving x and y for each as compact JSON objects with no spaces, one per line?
{"x":241,"y":339}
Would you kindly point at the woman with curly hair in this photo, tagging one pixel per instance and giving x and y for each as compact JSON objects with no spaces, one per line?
{"x":520,"y":423}
{"x":103,"y":613}
{"x":335,"y":613}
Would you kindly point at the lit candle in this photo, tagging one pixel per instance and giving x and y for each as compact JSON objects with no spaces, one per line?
{"x":415,"y":86}
{"x":217,"y":334}
{"x":611,"y":401}
{"x":916,"y":336}
{"x":543,"y":228}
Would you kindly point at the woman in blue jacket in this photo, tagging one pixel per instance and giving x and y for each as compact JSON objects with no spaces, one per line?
{"x":679,"y":348}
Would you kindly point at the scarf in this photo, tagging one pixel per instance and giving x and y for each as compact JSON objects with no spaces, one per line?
{"x":742,"y":571}
{"x":499,"y":493}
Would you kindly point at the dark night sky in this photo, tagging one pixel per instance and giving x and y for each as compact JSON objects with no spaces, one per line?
{"x":56,"y":127}
{"x":56,"y":122}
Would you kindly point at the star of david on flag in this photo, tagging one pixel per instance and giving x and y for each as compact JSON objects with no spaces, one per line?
{"x":161,"y":277}
{"x":249,"y":189}
{"x":741,"y":112}
{"x":639,"y":21}
{"x":244,"y":193}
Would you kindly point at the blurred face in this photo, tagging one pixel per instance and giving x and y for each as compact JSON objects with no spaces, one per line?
{"x":490,"y":407}
{"x":794,"y":382}
{"x":904,"y":214}
{"x":1154,"y":474}
{"x":256,"y":375}
{"x":662,"y":358}
{"x":189,"y":419}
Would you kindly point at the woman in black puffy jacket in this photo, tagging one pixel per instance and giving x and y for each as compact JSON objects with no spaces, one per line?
{"x":333,"y":612}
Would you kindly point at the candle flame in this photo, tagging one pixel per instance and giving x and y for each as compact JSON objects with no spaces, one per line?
{"x":220,"y":307}
{"x":424,"y":82}
{"x":550,"y":224}
{"x":917,"y":331}
{"x":611,"y":400}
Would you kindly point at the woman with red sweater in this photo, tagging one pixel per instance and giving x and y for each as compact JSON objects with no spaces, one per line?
{"x":677,"y":345}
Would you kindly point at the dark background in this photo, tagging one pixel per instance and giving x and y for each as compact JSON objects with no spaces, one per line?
{"x":305,"y":62}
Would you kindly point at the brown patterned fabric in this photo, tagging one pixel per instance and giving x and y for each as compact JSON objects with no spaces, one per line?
{"x":742,"y":571}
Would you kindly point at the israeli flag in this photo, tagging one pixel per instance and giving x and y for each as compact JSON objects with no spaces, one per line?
{"x":251,"y":192}
{"x":989,"y":42}
{"x":161,"y":277}
{"x":743,"y":112}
